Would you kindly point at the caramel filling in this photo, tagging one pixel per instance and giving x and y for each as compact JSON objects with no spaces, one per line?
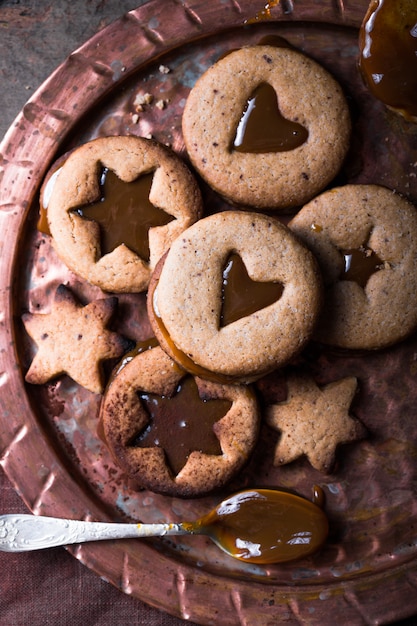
{"x":42,"y":224}
{"x":181,"y":423}
{"x":124,"y":213}
{"x":242,"y":296}
{"x":179,"y":356}
{"x":262,"y":128}
{"x":388,"y":53}
{"x":266,"y":526}
{"x":360,"y":264}
{"x":141,"y":346}
{"x":275,"y":40}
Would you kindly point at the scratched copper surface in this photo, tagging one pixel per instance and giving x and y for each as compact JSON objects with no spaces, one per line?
{"x":49,"y":444}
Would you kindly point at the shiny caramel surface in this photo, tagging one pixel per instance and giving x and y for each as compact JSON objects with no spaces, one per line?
{"x":267,"y":525}
{"x":182,"y":423}
{"x":360,"y":264}
{"x":262,"y":127}
{"x":388,"y":54}
{"x":45,"y":194}
{"x":125,"y":213}
{"x":241,"y":296}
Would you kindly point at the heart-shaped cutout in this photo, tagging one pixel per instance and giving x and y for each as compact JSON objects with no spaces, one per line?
{"x":242,"y":296}
{"x":262,"y":127}
{"x":359,"y":265}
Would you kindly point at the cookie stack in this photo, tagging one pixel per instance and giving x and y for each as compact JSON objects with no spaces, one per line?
{"x":234,"y":295}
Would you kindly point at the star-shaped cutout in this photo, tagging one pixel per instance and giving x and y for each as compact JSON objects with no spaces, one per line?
{"x":314,"y":421}
{"x":182,"y":423}
{"x":124,"y":213}
{"x":360,"y":264}
{"x":72,"y":339}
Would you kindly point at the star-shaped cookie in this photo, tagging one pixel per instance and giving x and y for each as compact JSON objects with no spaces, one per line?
{"x":313,"y":421}
{"x":73,"y":340}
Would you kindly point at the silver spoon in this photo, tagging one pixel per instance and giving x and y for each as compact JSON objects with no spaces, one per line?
{"x":257,"y":526}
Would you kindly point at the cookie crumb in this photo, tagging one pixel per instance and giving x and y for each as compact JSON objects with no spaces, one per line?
{"x":141,"y":100}
{"x":164,"y":69}
{"x":161,"y":104}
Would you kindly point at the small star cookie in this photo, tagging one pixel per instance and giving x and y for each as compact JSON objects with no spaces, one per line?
{"x":313,"y":421}
{"x":73,"y":340}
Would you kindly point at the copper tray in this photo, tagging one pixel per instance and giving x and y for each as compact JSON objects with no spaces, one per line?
{"x":49,"y":445}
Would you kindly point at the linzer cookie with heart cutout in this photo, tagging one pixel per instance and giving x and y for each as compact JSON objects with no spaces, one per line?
{"x":365,"y":240}
{"x":173,"y":433}
{"x":116,"y":205}
{"x":236,"y":296}
{"x":267,"y":127}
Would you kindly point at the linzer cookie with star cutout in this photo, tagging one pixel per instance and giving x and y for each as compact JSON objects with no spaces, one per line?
{"x":174,"y":433}
{"x":267,"y":127}
{"x":116,"y":205}
{"x":236,"y":296}
{"x":365,"y":240}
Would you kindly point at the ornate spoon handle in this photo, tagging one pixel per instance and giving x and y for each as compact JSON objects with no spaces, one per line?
{"x":21,"y":533}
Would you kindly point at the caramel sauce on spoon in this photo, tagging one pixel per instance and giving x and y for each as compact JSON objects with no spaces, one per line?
{"x":257,"y":526}
{"x":266,"y":525}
